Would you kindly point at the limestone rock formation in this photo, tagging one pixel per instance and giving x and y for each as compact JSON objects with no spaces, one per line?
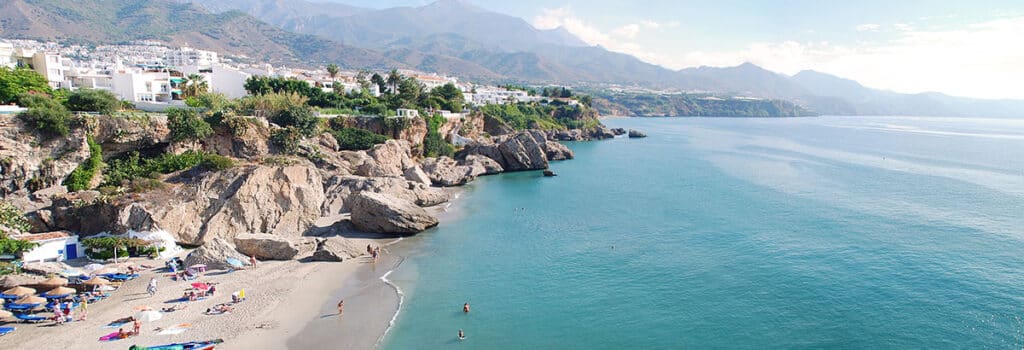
{"x":119,"y":135}
{"x":480,"y":165}
{"x":618,"y":131}
{"x":444,"y":171}
{"x":380,"y":213}
{"x":391,"y":158}
{"x":496,"y":127}
{"x":636,"y":134}
{"x":557,"y":151}
{"x":523,"y":151}
{"x":339,"y":189}
{"x":214,"y":255}
{"x":336,"y":249}
{"x":416,"y":174}
{"x":600,"y":132}
{"x":266,"y":246}
{"x":30,"y":162}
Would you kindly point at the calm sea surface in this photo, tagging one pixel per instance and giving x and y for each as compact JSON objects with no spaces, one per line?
{"x":852,"y":232}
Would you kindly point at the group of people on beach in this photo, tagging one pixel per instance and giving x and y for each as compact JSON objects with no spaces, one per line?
{"x":136,"y":328}
{"x":374,"y":252}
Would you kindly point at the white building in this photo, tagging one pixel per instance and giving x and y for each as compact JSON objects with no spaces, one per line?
{"x":498,"y":96}
{"x":53,"y":246}
{"x":433,"y":81}
{"x":187,"y":56}
{"x":7,"y":55}
{"x":136,"y":85}
{"x":221,"y":79}
{"x":408,"y":113}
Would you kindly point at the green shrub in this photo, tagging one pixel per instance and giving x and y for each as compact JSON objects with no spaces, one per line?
{"x":81,"y":177}
{"x":300,"y":117}
{"x":354,"y":139}
{"x":89,"y":100}
{"x":18,"y":81}
{"x":13,"y":218}
{"x":45,"y":114}
{"x":435,"y":146}
{"x":186,"y":124}
{"x":287,"y":139}
{"x":217,"y":162}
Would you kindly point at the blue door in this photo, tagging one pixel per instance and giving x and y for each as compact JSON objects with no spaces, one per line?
{"x":71,"y":251}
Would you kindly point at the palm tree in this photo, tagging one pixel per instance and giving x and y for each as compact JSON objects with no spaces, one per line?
{"x":194,"y":85}
{"x":393,"y":80}
{"x":332,"y":70}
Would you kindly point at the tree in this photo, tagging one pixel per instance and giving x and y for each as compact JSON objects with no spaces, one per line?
{"x":195,"y":84}
{"x":186,"y":124}
{"x":393,"y":80}
{"x":409,"y":93}
{"x":45,"y":114}
{"x":300,"y":117}
{"x":89,"y":100}
{"x":12,"y":217}
{"x":17,"y":81}
{"x":378,"y":80}
{"x":332,"y":70}
{"x":450,"y":97}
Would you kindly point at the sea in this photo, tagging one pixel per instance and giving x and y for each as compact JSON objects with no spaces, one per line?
{"x":824,"y":232}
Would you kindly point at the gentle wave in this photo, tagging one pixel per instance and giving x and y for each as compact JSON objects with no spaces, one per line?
{"x":401,"y":301}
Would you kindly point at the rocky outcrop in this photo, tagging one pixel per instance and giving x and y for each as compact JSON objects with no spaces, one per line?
{"x":30,"y":162}
{"x":120,"y":135}
{"x":336,"y":249}
{"x":214,"y":255}
{"x":600,"y":132}
{"x":633,"y":134}
{"x":380,"y":213}
{"x":496,"y":127}
{"x":557,"y":151}
{"x":416,"y":174}
{"x":414,"y":133}
{"x":566,"y":135}
{"x":45,"y":268}
{"x":445,"y":172}
{"x":391,"y":158}
{"x":265,"y":246}
{"x":480,"y":165}
{"x":240,"y":137}
{"x":198,"y":206}
{"x":618,"y":131}
{"x":340,"y":188}
{"x":524,"y":151}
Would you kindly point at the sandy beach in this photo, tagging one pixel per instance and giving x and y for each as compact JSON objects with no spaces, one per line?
{"x":282,"y":297}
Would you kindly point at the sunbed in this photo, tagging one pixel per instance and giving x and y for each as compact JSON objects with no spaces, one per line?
{"x":30,"y":318}
{"x":5,"y":330}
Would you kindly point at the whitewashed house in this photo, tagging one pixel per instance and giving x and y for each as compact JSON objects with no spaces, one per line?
{"x":53,"y":246}
{"x":221,"y":78}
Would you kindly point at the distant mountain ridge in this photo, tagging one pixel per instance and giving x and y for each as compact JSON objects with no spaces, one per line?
{"x":448,"y":37}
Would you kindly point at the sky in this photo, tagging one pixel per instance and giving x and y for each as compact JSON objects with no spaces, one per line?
{"x":962,"y":48}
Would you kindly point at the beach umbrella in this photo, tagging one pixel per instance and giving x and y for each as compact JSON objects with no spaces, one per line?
{"x":200,"y":286}
{"x":148,"y":316}
{"x":234,"y":262}
{"x":53,"y":282}
{"x":96,"y":281}
{"x":19,"y":291}
{"x":60,"y":291}
{"x":30,"y":299}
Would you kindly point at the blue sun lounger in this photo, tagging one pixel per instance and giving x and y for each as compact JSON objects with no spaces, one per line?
{"x":119,"y":277}
{"x":30,"y":318}
{"x":20,"y":307}
{"x":5,"y":330}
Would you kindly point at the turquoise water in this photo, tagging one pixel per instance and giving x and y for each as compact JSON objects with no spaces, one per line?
{"x":867,"y":232}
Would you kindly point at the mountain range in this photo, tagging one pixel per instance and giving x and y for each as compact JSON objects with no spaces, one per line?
{"x":447,"y":37}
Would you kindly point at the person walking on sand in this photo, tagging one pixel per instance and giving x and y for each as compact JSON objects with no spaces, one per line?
{"x":465,"y":308}
{"x":341,"y":307}
{"x":151,"y":289}
{"x":374,"y":255}
{"x":84,"y":305}
{"x":252,"y":260}
{"x":136,"y":326}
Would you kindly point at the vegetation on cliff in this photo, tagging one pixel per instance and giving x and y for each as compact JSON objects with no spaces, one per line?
{"x":694,"y":105}
{"x":81,"y":178}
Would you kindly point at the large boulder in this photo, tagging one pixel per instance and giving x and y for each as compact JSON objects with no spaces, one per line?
{"x":214,"y":255}
{"x":600,"y":132}
{"x":339,"y":189}
{"x":336,"y":249}
{"x":444,"y":171}
{"x":523,"y":151}
{"x":618,"y":131}
{"x":416,"y":174}
{"x":633,"y":134}
{"x":480,"y":165}
{"x":391,"y":158}
{"x":266,"y":246}
{"x":380,"y":213}
{"x":496,"y":127}
{"x":557,"y":151}
{"x":30,"y":162}
{"x":45,"y":268}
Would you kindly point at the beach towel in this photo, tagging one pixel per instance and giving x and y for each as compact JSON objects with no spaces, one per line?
{"x":110,"y":337}
{"x":175,"y":329}
{"x":5,"y":330}
{"x":115,"y":325}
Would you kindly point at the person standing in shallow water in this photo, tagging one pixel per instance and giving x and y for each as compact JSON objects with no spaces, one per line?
{"x":461,"y":335}
{"x":341,"y":307}
{"x":465,"y":308}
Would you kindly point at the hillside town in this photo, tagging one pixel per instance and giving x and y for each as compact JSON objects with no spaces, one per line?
{"x":151,"y":75}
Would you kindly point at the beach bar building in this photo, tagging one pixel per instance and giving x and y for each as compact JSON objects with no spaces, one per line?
{"x":53,"y":246}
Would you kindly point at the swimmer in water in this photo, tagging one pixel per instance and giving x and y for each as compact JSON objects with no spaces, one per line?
{"x":461,"y":335}
{"x":465,"y":308}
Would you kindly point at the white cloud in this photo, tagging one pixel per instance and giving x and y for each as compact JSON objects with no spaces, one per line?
{"x":618,"y":39}
{"x":980,"y":60}
{"x":903,"y":27}
{"x":867,"y":27}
